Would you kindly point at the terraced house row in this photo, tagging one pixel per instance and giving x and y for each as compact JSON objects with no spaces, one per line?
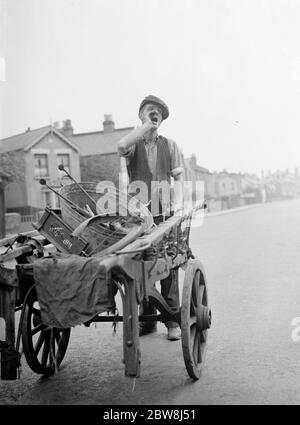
{"x":93,"y":156}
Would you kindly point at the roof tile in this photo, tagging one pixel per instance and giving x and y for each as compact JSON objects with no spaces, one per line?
{"x":99,"y":142}
{"x":20,"y":141}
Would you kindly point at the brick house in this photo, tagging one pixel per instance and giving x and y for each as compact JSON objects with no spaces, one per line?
{"x":227,"y":189}
{"x":88,"y":156}
{"x":282,"y":185}
{"x":99,"y":159}
{"x":194,"y":172}
{"x":40,"y":151}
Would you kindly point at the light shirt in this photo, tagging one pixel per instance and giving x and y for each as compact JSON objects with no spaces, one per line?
{"x":151,"y":151}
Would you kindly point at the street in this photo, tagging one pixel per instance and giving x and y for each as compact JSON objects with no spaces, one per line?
{"x":251,"y":258}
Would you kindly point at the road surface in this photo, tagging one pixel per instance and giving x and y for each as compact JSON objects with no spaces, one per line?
{"x":251,"y":258}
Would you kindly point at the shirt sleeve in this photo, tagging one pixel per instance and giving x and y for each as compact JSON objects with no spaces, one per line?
{"x":176,"y":159}
{"x":127,"y":154}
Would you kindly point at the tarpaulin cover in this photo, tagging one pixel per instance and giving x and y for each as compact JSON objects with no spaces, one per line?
{"x":71,"y":290}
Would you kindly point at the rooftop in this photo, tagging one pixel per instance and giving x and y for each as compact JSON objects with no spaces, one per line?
{"x":99,"y":142}
{"x":29,"y":138}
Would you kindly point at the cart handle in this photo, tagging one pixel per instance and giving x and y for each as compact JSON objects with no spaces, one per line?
{"x":141,"y":249}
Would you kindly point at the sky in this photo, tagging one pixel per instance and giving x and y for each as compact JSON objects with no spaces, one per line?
{"x":229,"y":71}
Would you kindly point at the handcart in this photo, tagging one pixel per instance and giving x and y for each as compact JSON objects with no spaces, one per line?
{"x":131,"y":268}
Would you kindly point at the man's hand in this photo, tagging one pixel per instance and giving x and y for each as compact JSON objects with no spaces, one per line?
{"x":135,"y":135}
{"x":151,"y":121}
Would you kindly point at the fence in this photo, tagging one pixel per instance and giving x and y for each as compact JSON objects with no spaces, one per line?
{"x":27,"y":218}
{"x":31,"y":217}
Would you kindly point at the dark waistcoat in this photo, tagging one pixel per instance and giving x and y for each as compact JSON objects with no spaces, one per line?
{"x":138,"y":168}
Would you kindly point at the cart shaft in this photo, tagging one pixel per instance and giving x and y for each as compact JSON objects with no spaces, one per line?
{"x":8,"y":294}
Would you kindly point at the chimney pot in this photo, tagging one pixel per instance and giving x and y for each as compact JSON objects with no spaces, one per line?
{"x":67,"y":128}
{"x":108,"y":124}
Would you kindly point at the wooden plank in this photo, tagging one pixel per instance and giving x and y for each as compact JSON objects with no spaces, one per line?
{"x":158,"y":232}
{"x":26,"y":249}
{"x":9,"y":357}
{"x":155,"y":236}
{"x":131,"y":344}
{"x":11,"y":239}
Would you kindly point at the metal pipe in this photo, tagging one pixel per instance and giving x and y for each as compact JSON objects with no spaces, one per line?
{"x":76,"y":207}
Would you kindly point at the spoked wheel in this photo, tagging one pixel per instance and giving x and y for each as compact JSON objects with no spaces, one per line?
{"x":44,"y":348}
{"x":195,"y":318}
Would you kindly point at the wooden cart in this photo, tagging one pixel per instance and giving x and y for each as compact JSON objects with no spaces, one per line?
{"x":133,"y":270}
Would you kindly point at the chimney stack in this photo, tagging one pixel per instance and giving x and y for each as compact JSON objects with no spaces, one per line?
{"x":108,"y":124}
{"x":67,"y":128}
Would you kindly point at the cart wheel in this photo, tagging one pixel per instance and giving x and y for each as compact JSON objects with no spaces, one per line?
{"x":42,"y":347}
{"x":195,"y":318}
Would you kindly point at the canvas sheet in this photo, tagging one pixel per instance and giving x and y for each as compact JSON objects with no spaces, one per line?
{"x":71,"y":290}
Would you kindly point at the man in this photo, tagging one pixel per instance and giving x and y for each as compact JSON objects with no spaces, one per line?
{"x":153,"y":158}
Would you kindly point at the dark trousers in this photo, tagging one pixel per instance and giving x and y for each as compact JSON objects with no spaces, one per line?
{"x":170,"y":293}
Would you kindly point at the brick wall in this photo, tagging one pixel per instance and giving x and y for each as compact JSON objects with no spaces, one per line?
{"x":100,"y":167}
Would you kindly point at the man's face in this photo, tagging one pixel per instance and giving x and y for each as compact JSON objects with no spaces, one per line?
{"x":151,"y":112}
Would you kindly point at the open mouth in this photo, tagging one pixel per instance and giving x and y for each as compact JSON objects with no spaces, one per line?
{"x":154,"y":120}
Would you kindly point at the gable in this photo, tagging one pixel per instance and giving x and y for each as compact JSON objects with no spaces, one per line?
{"x":52,"y":138}
{"x":25,"y":141}
{"x":20,"y":141}
{"x":51,"y":141}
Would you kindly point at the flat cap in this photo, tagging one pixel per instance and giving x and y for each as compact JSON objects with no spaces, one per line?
{"x":156,"y":101}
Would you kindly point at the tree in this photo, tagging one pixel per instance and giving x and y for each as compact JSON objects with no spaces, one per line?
{"x":11,"y":169}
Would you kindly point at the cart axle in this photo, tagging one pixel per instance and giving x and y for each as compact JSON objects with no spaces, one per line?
{"x":203,"y":317}
{"x":143,"y":318}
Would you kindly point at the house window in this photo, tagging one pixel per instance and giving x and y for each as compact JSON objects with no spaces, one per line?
{"x":56,"y":201}
{"x":64,"y":159}
{"x":232,"y":186}
{"x":41,"y":165}
{"x":51,"y":200}
{"x":48,"y":200}
{"x":217,"y":188}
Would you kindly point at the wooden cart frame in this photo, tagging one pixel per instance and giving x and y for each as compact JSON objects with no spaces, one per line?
{"x":134,"y":270}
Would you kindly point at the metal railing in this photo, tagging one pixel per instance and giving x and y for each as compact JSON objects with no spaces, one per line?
{"x":31,"y":217}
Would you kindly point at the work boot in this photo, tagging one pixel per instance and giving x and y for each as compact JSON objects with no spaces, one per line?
{"x":147,"y":328}
{"x":174,"y":334}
